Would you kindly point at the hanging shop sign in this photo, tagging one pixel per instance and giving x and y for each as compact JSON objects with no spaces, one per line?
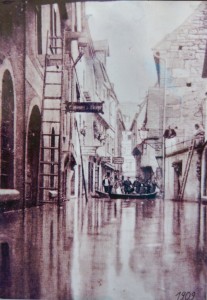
{"x":118,"y":160}
{"x":86,"y":107}
{"x":106,"y":159}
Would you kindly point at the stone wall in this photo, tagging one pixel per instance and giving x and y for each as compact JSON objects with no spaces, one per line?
{"x":12,"y":59}
{"x":182,"y":56}
{"x":192,"y":184}
{"x":182,"y":77}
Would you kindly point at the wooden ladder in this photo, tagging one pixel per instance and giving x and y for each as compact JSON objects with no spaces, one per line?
{"x":187,"y":168}
{"x":49,"y":171}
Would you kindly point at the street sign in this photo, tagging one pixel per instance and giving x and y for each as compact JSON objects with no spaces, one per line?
{"x":118,"y":160}
{"x":86,"y":107}
{"x":106,"y":159}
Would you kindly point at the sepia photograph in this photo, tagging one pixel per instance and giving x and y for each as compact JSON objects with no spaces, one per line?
{"x":103,"y":159}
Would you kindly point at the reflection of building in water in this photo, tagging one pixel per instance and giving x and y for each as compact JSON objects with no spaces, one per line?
{"x":97,"y":248}
{"x":5,"y":269}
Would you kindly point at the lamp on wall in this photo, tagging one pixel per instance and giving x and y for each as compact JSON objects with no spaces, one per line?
{"x":143,"y":132}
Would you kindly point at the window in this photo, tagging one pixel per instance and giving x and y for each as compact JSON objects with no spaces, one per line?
{"x":7,"y":133}
{"x":97,"y":178}
{"x":90,"y":176}
{"x":76,"y":18}
{"x":73,"y":184}
{"x":77,"y":93}
{"x":6,"y":22}
{"x":39,"y":29}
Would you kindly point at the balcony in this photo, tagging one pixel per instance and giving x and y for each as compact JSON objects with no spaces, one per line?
{"x":178,"y":145}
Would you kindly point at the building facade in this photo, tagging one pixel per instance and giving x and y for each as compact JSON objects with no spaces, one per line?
{"x":180,"y":61}
{"x":101,"y":133}
{"x":129,"y":166}
{"x":48,"y":64}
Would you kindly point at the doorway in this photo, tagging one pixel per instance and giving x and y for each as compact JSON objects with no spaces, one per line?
{"x":33,"y":147}
{"x":177,"y":177}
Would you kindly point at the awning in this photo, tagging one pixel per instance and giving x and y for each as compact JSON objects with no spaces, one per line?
{"x":109,"y":166}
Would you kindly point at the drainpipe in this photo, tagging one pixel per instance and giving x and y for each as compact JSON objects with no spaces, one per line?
{"x":164,"y":117}
{"x":24,"y":104}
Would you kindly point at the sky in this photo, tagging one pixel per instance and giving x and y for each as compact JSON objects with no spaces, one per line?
{"x":132,"y":29}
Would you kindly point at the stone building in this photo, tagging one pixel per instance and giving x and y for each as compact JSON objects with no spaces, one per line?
{"x":52,"y":131}
{"x":12,"y":78}
{"x":101,"y":133}
{"x":43,"y":48}
{"x":137,"y":146}
{"x":146,"y":143}
{"x":129,"y":168}
{"x":120,"y":128}
{"x":128,"y":111}
{"x":180,"y":61}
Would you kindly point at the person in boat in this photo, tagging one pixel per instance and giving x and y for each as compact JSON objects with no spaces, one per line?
{"x":117,"y":186}
{"x":150,"y":186}
{"x":122,"y":184}
{"x":106,"y":184}
{"x":128,"y":188}
{"x":147,"y":186}
{"x":154,"y":184}
{"x":137,"y":185}
{"x":111,"y":185}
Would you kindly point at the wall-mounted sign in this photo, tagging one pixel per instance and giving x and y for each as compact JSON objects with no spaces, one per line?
{"x":86,"y":107}
{"x":118,"y":160}
{"x":106,"y":159}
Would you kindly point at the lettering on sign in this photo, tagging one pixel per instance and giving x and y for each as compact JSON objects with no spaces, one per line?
{"x":87,"y":107}
{"x":118,"y":160}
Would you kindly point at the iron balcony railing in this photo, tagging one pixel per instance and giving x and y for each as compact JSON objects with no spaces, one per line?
{"x":178,"y":144}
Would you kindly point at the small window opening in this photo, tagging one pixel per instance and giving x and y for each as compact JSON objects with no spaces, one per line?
{"x":77,"y":93}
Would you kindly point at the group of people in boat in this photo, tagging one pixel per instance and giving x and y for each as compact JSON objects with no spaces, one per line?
{"x":126,"y":186}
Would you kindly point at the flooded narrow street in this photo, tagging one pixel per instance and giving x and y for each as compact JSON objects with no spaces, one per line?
{"x":105,"y":250}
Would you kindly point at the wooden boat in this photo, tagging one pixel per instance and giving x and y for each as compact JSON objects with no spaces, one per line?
{"x":133,"y":196}
{"x":102,"y":194}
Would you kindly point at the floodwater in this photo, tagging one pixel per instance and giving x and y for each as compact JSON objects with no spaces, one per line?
{"x":105,"y":250}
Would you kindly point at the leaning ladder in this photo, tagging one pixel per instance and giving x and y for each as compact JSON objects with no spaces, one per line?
{"x":49,"y":171}
{"x":187,"y":167}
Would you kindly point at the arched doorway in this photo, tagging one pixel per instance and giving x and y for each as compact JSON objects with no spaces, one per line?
{"x":7,"y":133}
{"x":33,"y":146}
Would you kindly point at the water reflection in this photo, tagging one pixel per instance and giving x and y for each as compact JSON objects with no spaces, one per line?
{"x":5,"y":274}
{"x":120,"y":249}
